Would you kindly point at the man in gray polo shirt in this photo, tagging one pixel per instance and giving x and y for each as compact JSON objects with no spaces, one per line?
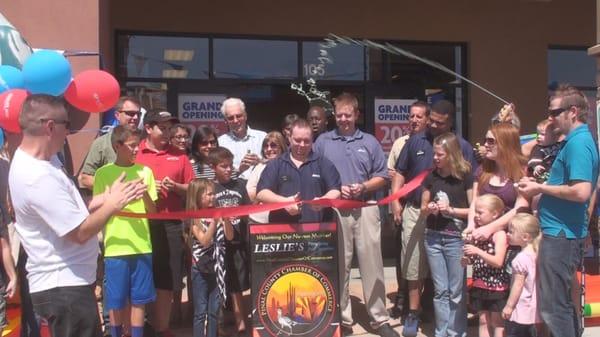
{"x":127,"y":112}
{"x":360,"y":161}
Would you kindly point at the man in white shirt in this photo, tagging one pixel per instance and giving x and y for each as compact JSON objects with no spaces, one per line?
{"x":245,"y":143}
{"x":53,"y":223}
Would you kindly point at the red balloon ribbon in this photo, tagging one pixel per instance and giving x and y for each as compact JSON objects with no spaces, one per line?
{"x":249,"y":209}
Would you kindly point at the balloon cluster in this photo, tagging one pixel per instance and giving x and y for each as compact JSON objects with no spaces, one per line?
{"x":49,"y":72}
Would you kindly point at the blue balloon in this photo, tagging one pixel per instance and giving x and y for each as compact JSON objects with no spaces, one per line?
{"x":1,"y":138}
{"x":10,"y":78}
{"x":47,"y":72}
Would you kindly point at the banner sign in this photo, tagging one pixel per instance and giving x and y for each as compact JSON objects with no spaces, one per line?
{"x":391,"y":120}
{"x":295,"y":280}
{"x":201,"y":109}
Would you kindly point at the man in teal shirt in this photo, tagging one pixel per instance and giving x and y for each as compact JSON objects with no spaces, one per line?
{"x":563,"y":210}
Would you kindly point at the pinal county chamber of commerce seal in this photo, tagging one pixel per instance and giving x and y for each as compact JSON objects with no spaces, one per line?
{"x":296,"y":300}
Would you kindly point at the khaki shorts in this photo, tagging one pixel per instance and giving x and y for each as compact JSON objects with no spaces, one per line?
{"x":413,"y":255}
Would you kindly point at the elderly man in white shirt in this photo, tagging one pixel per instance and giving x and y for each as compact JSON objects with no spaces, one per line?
{"x":245,"y":143}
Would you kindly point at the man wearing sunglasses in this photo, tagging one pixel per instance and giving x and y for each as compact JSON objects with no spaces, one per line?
{"x":562,"y":210}
{"x":127,"y":112}
{"x":57,"y":230}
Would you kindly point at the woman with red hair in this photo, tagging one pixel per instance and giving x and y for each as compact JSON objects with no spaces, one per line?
{"x":503,"y":165}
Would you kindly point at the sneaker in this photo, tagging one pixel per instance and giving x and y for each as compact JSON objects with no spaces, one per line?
{"x":386,"y":330}
{"x":395,"y":312}
{"x":411,"y":325}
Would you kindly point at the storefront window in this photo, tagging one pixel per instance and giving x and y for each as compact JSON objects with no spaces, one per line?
{"x":573,"y":66}
{"x":404,"y":69}
{"x":152,"y":95}
{"x":255,"y":59}
{"x":342,"y":62}
{"x":163,"y":57}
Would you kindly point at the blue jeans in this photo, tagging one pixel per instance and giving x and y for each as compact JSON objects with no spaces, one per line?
{"x":558,"y":260}
{"x":206,"y":302}
{"x":444,"y":253}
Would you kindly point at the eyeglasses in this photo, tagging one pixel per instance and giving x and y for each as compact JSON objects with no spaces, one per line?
{"x":209,"y":142}
{"x":232,"y":118}
{"x":490,"y":141}
{"x":556,"y":112}
{"x":131,"y":113}
{"x":180,"y":137}
{"x":270,"y":146}
{"x":65,"y":122}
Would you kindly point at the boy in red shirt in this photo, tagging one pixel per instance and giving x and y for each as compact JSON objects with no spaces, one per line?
{"x":172,"y":171}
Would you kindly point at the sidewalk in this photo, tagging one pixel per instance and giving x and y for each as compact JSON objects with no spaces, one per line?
{"x":361,"y":328}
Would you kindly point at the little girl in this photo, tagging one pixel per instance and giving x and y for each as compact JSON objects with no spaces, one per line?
{"x":445,"y":201}
{"x":208,"y":258}
{"x":490,"y":278}
{"x":520,"y":311}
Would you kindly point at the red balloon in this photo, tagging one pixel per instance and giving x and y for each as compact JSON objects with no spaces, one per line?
{"x":93,"y":91}
{"x":11,"y":102}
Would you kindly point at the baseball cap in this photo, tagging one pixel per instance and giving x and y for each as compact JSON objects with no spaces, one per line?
{"x":159,"y":115}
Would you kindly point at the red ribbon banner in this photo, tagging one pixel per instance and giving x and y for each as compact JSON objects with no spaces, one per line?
{"x":250,"y":209}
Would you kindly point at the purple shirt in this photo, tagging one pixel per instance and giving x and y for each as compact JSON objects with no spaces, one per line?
{"x":357,"y":158}
{"x":507,"y":192}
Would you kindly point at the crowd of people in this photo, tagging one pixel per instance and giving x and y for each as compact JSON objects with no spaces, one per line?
{"x":518,"y":214}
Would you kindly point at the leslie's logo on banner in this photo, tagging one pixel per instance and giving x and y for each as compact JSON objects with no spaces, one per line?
{"x":391,"y":120}
{"x":199,"y":109}
{"x":295,"y":280}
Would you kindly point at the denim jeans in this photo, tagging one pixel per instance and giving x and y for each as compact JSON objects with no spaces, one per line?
{"x":69,"y":311}
{"x":558,"y":260}
{"x":206,"y":303}
{"x":444,"y":253}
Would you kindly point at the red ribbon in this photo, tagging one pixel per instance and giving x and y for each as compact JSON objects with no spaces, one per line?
{"x":250,"y":209}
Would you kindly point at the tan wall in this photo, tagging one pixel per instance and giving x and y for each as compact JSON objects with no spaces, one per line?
{"x":65,"y":25}
{"x":507,"y":40}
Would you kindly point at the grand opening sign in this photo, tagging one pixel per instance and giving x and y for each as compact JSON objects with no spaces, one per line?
{"x":391,"y":120}
{"x":202,"y":109}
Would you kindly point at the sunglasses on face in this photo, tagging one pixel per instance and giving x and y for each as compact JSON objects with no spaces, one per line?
{"x":65,"y":122}
{"x":131,"y":113}
{"x":270,"y":146}
{"x":556,"y":112}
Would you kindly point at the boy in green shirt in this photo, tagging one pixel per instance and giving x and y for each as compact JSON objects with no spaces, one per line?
{"x":127,"y":245}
